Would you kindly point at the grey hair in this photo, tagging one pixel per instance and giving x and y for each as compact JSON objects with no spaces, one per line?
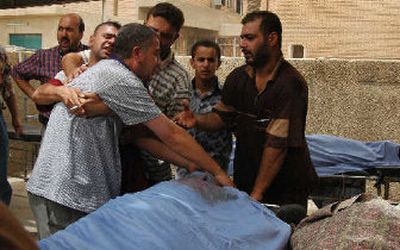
{"x":130,"y":36}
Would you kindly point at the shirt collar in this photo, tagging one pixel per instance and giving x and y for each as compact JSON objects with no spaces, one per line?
{"x":251,"y":71}
{"x":114,"y":57}
{"x":215,"y":90}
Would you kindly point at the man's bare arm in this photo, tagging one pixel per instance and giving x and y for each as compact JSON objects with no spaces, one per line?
{"x":271,"y":162}
{"x":92,"y":106}
{"x":25,"y":86}
{"x":13,"y":107}
{"x":161,"y":151}
{"x":207,"y":122}
{"x":182,"y":143}
{"x":48,"y":94}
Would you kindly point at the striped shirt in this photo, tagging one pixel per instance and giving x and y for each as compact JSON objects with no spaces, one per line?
{"x":168,"y":87}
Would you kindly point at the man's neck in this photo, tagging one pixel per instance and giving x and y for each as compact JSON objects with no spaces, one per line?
{"x":266,"y":70}
{"x":165,"y":55}
{"x":265,"y":73}
{"x":204,"y":85}
{"x":71,"y":49}
{"x":92,"y":60}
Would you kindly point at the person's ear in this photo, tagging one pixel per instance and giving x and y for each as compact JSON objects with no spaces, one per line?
{"x":176,"y":37}
{"x":91,"y":41}
{"x":219,"y":62}
{"x":136,"y":53}
{"x":273,"y":39}
{"x":80,"y":35}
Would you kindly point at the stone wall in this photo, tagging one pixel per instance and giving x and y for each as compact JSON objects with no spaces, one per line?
{"x":357,"y":99}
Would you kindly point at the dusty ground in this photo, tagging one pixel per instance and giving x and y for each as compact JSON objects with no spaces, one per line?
{"x":394,"y":190}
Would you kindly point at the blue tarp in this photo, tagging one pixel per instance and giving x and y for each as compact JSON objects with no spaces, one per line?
{"x":334,"y":155}
{"x":191,"y":213}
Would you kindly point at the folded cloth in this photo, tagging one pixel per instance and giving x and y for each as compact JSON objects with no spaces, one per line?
{"x":190,"y":213}
{"x":362,"y":222}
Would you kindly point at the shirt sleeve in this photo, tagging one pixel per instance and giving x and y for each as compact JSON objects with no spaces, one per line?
{"x":128,"y":98}
{"x":182,"y":90}
{"x":225,"y":107}
{"x":26,"y":70}
{"x":286,"y":128}
{"x":85,"y":54}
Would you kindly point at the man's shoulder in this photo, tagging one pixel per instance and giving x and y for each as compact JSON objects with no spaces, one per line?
{"x":49,"y":50}
{"x":290,"y":74}
{"x":239,"y":72}
{"x":112,"y":70}
{"x":106,"y":63}
{"x":291,"y":78}
{"x":174,"y":68}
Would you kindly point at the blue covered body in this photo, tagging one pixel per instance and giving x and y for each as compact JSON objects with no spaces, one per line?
{"x":335,"y":155}
{"x":192,"y":213}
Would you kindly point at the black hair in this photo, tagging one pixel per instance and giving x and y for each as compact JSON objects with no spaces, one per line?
{"x":169,"y":12}
{"x":115,"y":24}
{"x":208,"y":44}
{"x":131,"y":35}
{"x":269,"y":23}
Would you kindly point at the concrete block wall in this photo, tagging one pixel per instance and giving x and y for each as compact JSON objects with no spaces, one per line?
{"x":357,"y":99}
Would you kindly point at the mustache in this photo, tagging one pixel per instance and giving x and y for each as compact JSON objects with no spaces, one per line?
{"x":245,"y":51}
{"x":64,"y":39}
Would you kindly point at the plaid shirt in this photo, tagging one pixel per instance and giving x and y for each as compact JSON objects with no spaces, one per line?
{"x":5,"y":87}
{"x":41,"y":66}
{"x":170,"y":86}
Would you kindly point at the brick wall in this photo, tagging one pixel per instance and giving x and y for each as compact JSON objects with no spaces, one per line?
{"x":340,"y":28}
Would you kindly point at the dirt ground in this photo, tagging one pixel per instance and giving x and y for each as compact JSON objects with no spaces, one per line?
{"x":394,"y":190}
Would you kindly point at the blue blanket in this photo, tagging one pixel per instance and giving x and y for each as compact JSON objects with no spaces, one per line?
{"x":334,"y":155}
{"x":192,"y":213}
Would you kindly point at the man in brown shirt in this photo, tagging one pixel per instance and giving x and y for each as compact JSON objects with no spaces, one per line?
{"x":265,"y":103}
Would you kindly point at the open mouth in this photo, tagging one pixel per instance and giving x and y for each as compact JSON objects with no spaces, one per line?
{"x":64,"y":43}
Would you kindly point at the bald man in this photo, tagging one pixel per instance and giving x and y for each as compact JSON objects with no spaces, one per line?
{"x":45,"y":63}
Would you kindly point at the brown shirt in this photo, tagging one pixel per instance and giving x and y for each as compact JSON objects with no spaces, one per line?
{"x":275,"y":117}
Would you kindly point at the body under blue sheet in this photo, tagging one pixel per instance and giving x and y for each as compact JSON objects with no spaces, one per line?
{"x":192,"y":213}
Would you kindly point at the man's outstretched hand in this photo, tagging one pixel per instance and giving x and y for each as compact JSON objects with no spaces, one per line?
{"x":186,"y":118}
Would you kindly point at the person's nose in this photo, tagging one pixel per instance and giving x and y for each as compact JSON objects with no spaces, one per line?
{"x":111,"y":40}
{"x":242,"y":43}
{"x":63,"y":32}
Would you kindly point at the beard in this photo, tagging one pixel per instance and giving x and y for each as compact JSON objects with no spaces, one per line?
{"x":164,"y":52}
{"x":260,"y":58}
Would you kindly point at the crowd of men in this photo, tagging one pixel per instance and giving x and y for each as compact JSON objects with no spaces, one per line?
{"x":114,"y":115}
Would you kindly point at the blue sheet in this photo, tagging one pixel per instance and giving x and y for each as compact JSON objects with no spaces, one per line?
{"x":192,"y":213}
{"x":334,"y":155}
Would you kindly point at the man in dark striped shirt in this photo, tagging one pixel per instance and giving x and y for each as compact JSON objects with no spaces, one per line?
{"x":45,"y":63}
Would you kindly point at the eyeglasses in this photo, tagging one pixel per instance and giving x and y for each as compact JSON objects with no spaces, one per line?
{"x":164,"y":35}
